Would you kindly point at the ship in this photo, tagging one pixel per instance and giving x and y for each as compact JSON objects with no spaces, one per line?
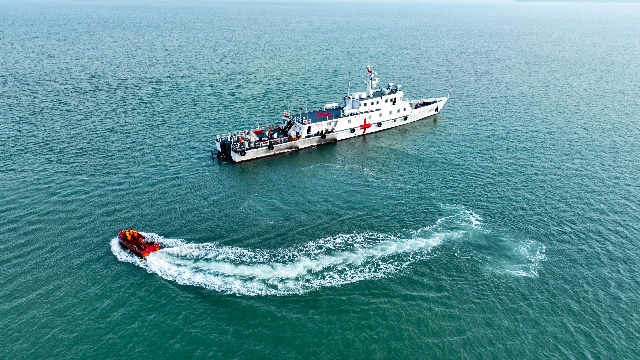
{"x":360,"y":113}
{"x":137,"y":243}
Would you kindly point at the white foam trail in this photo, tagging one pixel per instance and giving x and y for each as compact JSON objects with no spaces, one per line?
{"x":533,"y":254}
{"x":297,"y":270}
{"x":331,"y":261}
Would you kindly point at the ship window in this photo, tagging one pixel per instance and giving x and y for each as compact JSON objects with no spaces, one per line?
{"x":405,"y":109}
{"x":369,"y":117}
{"x":349,"y":121}
{"x":386,"y":100}
{"x":390,"y":112}
{"x":380,"y":115}
{"x":309,"y":130}
{"x":398,"y":110}
{"x":377,"y":102}
{"x":365,"y":104}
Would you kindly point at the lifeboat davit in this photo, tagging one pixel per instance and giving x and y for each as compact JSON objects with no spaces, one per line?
{"x":137,"y":243}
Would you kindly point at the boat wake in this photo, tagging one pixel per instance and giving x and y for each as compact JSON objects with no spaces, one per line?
{"x":326,"y":262}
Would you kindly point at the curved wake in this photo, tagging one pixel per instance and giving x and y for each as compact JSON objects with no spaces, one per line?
{"x":331,"y":261}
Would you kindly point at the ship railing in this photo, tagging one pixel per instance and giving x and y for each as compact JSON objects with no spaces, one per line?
{"x":245,"y":144}
{"x":416,"y":104}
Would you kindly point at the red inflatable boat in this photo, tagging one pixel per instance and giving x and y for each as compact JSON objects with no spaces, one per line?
{"x":137,"y":243}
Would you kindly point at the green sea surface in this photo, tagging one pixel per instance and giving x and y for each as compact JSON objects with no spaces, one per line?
{"x":507,"y":226}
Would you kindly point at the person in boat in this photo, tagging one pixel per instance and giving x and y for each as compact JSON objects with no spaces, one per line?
{"x":131,"y":236}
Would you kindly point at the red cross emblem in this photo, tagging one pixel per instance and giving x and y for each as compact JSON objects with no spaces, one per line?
{"x":365,"y":126}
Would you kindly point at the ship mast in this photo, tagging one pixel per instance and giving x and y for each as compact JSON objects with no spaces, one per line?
{"x":373,"y":82}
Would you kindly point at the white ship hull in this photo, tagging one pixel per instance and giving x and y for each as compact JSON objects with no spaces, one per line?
{"x":360,"y":113}
{"x":344,"y":133}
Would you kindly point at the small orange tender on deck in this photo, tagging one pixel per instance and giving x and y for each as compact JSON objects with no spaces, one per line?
{"x":137,"y":243}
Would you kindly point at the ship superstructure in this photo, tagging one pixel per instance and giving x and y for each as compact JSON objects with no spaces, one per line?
{"x":360,"y":113}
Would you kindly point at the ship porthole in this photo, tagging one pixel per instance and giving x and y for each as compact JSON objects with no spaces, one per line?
{"x":379,"y":124}
{"x":353,"y":130}
{"x":243,"y":153}
{"x":270,"y":147}
{"x":323,"y":136}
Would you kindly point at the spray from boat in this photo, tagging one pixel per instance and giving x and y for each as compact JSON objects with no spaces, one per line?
{"x":331,"y":261}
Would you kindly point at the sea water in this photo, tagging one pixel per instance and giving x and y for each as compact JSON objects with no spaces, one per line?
{"x":506,"y":226}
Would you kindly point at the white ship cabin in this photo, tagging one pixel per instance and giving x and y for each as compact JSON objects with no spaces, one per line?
{"x":371,"y":106}
{"x":372,"y":99}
